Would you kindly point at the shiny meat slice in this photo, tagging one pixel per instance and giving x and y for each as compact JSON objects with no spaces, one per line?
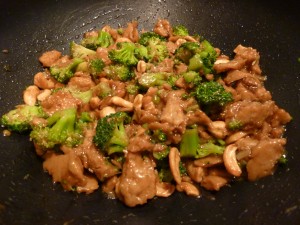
{"x":250,"y":54}
{"x":235,"y":64}
{"x":264,"y":157}
{"x":49,"y":58}
{"x":58,"y":101}
{"x":68,"y":170}
{"x":163,"y":28}
{"x":131,"y":31}
{"x":251,"y":114}
{"x":173,"y":111}
{"x":137,"y":183}
{"x":139,"y":141}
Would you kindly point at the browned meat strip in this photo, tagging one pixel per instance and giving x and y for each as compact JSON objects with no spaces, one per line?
{"x":264,"y":156}
{"x":49,"y":58}
{"x":137,"y":183}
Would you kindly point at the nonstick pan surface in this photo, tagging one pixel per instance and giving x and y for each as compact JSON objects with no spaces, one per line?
{"x":29,"y":28}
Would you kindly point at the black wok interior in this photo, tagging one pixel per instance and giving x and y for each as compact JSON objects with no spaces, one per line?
{"x":29,"y":28}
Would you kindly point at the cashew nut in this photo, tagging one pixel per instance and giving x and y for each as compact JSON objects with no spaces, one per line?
{"x":106,"y":111}
{"x":235,"y":137}
{"x":188,"y":188}
{"x":218,"y":129}
{"x":164,"y":189}
{"x":30,"y":95}
{"x":138,"y":102}
{"x":174,"y":160}
{"x":220,"y":61}
{"x":190,"y":38}
{"x":116,"y":100}
{"x":141,"y":66}
{"x":43,"y":95}
{"x":180,"y":41}
{"x":123,"y":39}
{"x":230,"y":160}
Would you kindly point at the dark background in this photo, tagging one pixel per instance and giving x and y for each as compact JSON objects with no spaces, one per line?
{"x":29,"y":28}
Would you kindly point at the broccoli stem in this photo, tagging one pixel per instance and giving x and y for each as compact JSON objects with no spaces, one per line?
{"x":189,"y":143}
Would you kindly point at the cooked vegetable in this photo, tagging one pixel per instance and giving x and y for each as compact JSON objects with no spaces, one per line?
{"x":110,"y":134}
{"x":20,"y":118}
{"x":103,"y":39}
{"x":60,"y":129}
{"x":63,"y":73}
{"x":191,"y":146}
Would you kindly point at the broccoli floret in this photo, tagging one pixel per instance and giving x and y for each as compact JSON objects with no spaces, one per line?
{"x":162,"y":154}
{"x":152,"y":79}
{"x":63,"y":74}
{"x":132,"y":89}
{"x":84,"y":96}
{"x":204,"y":59}
{"x":208,"y":149}
{"x":124,"y":54}
{"x":60,"y":130}
{"x":156,"y":46}
{"x":234,"y":125}
{"x":119,"y":72}
{"x":159,"y":136}
{"x":79,"y":51}
{"x":148,"y":37}
{"x":102,"y":90}
{"x":212,"y":94}
{"x":180,"y":30}
{"x":192,"y":77}
{"x":96,"y":66}
{"x":19,"y":119}
{"x":191,"y":146}
{"x":186,"y":51}
{"x":103,"y":39}
{"x":110,"y":134}
{"x":141,"y":52}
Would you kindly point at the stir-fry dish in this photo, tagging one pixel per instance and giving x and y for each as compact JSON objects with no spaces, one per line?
{"x":145,"y":113}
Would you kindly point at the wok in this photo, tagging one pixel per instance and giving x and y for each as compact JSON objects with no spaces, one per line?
{"x":28,"y":28}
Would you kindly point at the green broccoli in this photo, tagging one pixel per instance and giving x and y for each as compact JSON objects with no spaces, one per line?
{"x":103,"y":39}
{"x":192,"y":77}
{"x":159,"y":136}
{"x":102,"y":90}
{"x":234,"y":125}
{"x":124,"y":54}
{"x":19,"y":119}
{"x":110,"y":134}
{"x":118,"y":72}
{"x":191,"y":146}
{"x":153,"y":79}
{"x":186,"y":51}
{"x":64,"y":73}
{"x":162,"y":154}
{"x":132,"y":89}
{"x":96,"y":66}
{"x":84,"y":96}
{"x":79,"y":51}
{"x":204,"y":59}
{"x":61,"y":129}
{"x":156,"y":46}
{"x":180,"y":30}
{"x":141,"y":52}
{"x":212,"y":94}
